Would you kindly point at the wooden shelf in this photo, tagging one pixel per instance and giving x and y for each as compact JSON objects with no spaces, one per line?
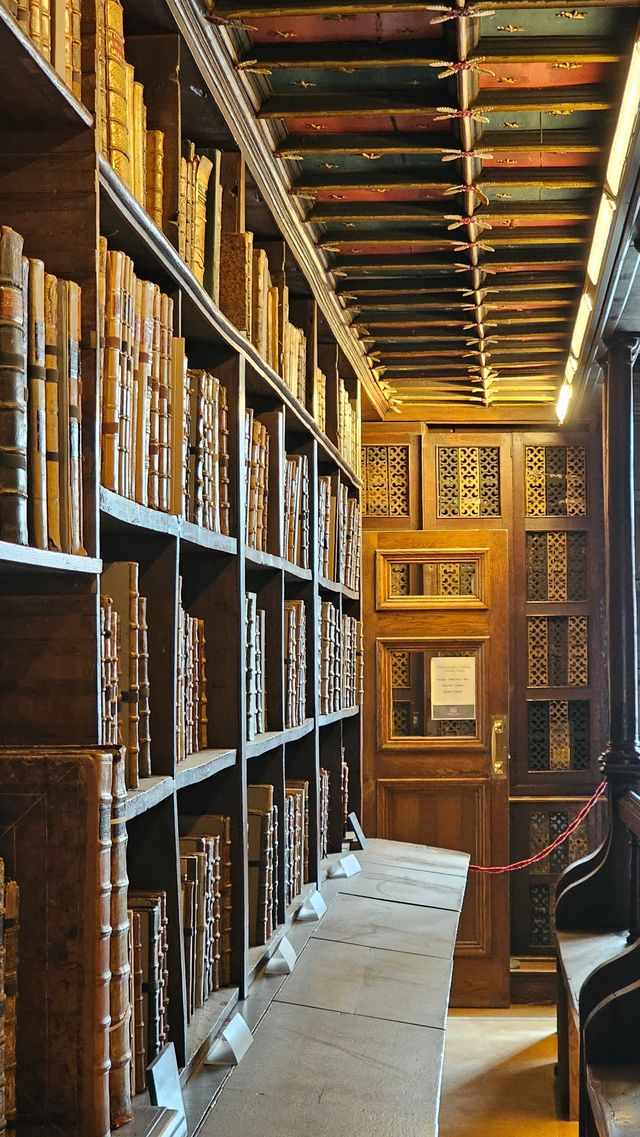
{"x":271,"y":739}
{"x":122,"y":513}
{"x":150,"y":792}
{"x":196,"y":539}
{"x":256,"y":559}
{"x":24,"y":558}
{"x":205,"y":1025}
{"x":198,"y":767}
{"x":338,"y":716}
{"x":31,"y":92}
{"x":327,"y":585}
{"x":129,"y":226}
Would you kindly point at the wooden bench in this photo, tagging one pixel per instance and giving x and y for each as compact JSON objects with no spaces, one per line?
{"x":599,"y":981}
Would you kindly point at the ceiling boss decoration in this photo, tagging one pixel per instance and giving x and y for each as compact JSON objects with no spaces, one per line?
{"x":392,"y":114}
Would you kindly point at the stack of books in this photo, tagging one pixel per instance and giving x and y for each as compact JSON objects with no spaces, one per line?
{"x":149,"y":961}
{"x":348,"y":428}
{"x":327,"y":525}
{"x":350,"y":642}
{"x":263,"y":863}
{"x":256,"y":482}
{"x":350,"y":525}
{"x":255,"y":622}
{"x":330,"y":659}
{"x":264,"y":309}
{"x":296,"y":839}
{"x":324,"y":814}
{"x":296,"y":510}
{"x":201,"y":883}
{"x":206,"y":452}
{"x":40,"y":404}
{"x":195,"y":172}
{"x":295,"y":662}
{"x":213,"y":827}
{"x":54,"y":27}
{"x":129,"y":720}
{"x":191,"y":686}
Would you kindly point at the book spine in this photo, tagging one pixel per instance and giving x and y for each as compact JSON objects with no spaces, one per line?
{"x":116,"y":91}
{"x":37,"y":409}
{"x":74,"y":425}
{"x":202,"y":174}
{"x":139,"y":143}
{"x":76,"y":48}
{"x":119,"y":991}
{"x":155,"y":175}
{"x":140,"y":1024}
{"x":11,"y":948}
{"x":13,"y":390}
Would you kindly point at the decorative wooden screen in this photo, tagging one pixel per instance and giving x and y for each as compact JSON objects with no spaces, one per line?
{"x":555,"y":481}
{"x":557,"y":651}
{"x":556,"y":566}
{"x":534,"y":825}
{"x":385,"y":476}
{"x":468,"y":481}
{"x":558,"y":735}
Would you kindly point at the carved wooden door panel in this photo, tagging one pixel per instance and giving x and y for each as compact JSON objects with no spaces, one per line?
{"x":436,"y":720}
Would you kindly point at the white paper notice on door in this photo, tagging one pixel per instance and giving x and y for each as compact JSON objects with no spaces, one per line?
{"x":453,"y":687}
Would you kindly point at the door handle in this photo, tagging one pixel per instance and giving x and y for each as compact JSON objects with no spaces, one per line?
{"x":499,"y":746}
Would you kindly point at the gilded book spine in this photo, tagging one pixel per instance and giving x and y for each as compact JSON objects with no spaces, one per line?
{"x":119,"y":990}
{"x":102,"y":98}
{"x":35,"y":22}
{"x":45,"y":28}
{"x":116,"y":89}
{"x":155,"y":175}
{"x":145,"y":703}
{"x":74,"y":422}
{"x":13,"y":390}
{"x":111,"y":371}
{"x":203,"y":169}
{"x":37,"y":409}
{"x":52,"y":408}
{"x":76,"y":48}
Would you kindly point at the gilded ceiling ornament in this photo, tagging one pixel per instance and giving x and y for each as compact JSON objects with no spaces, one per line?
{"x":566,"y":65}
{"x":456,"y":13}
{"x":572,"y":14}
{"x":303,"y":83}
{"x":338,"y":197}
{"x":252,"y":67}
{"x":347,"y":70}
{"x":458,"y":221}
{"x":291,"y":157}
{"x":507,"y":79}
{"x":329,"y":166}
{"x":312,"y":126}
{"x":371,"y":155}
{"x":468,"y":188}
{"x":468,"y":245}
{"x":227,"y":22}
{"x":507,"y":161}
{"x":287,"y":35}
{"x":511,"y":28}
{"x":511,"y":125}
{"x":474,"y":65}
{"x":452,"y":155}
{"x":451,"y":112}
{"x":504,"y":196}
{"x":559,"y":114}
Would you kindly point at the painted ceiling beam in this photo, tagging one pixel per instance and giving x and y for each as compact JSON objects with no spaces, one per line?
{"x":324,"y":212}
{"x":425,"y":53}
{"x":443,"y":179}
{"x":509,"y":237}
{"x":263,"y":9}
{"x":373,"y":146}
{"x":321,"y":104}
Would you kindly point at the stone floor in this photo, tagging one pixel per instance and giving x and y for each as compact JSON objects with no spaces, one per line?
{"x":498,"y":1075}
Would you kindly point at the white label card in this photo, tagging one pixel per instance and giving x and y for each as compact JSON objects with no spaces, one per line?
{"x":453,"y":687}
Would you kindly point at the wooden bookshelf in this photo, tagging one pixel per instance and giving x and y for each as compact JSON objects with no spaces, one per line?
{"x":61,"y":194}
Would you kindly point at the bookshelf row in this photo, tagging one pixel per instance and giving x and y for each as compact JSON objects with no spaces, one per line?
{"x":179,"y":560}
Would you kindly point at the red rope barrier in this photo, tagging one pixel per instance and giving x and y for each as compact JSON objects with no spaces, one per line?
{"x":575,"y":824}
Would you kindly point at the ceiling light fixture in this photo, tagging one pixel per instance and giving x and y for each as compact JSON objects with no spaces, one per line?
{"x":582,"y":319}
{"x":600,"y":239}
{"x":564,"y":398}
{"x":625,"y":124}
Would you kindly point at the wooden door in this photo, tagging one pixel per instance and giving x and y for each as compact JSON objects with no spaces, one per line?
{"x":436,"y":721}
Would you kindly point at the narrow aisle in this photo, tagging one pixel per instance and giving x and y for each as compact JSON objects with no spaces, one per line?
{"x":498,"y":1074}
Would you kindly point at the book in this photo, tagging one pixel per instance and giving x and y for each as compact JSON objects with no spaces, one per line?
{"x":154,"y":175}
{"x":261,"y":868}
{"x":217,"y":825}
{"x":69,"y":417}
{"x":11,"y":965}
{"x":63,"y":1072}
{"x":37,"y":409}
{"x":115,"y":95}
{"x":119,"y":581}
{"x":236,"y":254}
{"x":139,"y":1012}
{"x":13,"y":389}
{"x":120,"y":1006}
{"x":213,"y":227}
{"x":295,"y":659}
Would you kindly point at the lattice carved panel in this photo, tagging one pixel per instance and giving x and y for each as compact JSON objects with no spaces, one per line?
{"x":541,"y":914}
{"x":399,"y":579}
{"x":558,"y":735}
{"x":556,"y":567}
{"x":385,"y":476}
{"x":401,"y":719}
{"x":555,"y":481}
{"x":468,"y":481}
{"x":400,"y":669}
{"x":545,"y":825}
{"x":557,"y":651}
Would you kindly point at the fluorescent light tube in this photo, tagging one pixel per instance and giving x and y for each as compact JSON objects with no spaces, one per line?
{"x":600,"y":237}
{"x":564,"y":398}
{"x":626,"y":123}
{"x":571,"y":368}
{"x":582,"y":319}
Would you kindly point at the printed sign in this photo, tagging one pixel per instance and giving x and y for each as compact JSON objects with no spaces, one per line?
{"x":453,"y":687}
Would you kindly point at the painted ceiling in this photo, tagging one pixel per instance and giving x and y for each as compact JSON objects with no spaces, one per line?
{"x":450,"y":161}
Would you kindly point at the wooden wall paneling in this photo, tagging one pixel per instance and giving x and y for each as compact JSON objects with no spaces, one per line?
{"x":399,"y":473}
{"x":48,"y":194}
{"x":467,"y":441}
{"x":48,"y":666}
{"x":153,"y":862}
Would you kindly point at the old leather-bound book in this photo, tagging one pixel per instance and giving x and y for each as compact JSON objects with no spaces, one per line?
{"x":55,"y":809}
{"x":13,"y":390}
{"x":70,"y":416}
{"x":139,"y":1009}
{"x":216,"y":825}
{"x":116,"y":91}
{"x":119,"y":990}
{"x":236,"y":254}
{"x":203,"y":167}
{"x":213,"y":227}
{"x":37,"y":410}
{"x":120,"y":582}
{"x":155,"y":175}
